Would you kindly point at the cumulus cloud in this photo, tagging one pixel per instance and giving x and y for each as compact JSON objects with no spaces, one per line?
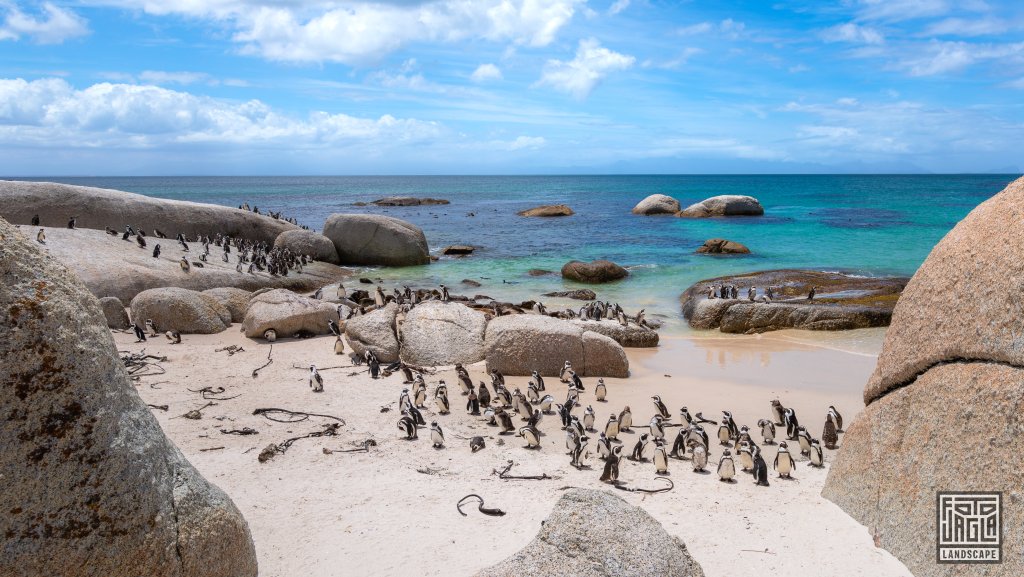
{"x":583,"y":73}
{"x":852,"y":33}
{"x":53,"y":25}
{"x":359,"y":33}
{"x":52,"y":112}
{"x":486,"y":72}
{"x":527,"y":143}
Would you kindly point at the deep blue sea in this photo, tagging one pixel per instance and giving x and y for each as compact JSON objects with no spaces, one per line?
{"x":872,"y":225}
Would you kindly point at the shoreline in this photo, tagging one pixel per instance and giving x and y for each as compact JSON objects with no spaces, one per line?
{"x":313,"y":512}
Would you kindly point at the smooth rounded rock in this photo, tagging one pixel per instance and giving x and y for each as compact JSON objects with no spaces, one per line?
{"x":235,"y":299}
{"x":725,"y":205}
{"x":308,"y":243}
{"x":375,"y":331}
{"x":113,"y":310}
{"x":182,"y":310}
{"x":519,"y":344}
{"x":598,"y":271}
{"x":657,"y":204}
{"x":371,"y":239}
{"x":548,"y":210}
{"x":91,"y":486}
{"x":722,"y":246}
{"x":287,"y":314}
{"x":630,"y":336}
{"x":436,"y":333}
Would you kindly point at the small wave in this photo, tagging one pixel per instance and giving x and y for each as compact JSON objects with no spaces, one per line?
{"x":639,"y":266}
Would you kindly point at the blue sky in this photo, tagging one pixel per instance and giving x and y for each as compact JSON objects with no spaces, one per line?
{"x":135,"y":87}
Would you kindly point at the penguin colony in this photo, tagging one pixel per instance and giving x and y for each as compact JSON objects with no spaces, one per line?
{"x":729,"y":291}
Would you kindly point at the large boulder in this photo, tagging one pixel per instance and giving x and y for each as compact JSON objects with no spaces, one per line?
{"x":121,"y":269}
{"x":843,"y":301}
{"x":594,"y":533}
{"x":437,"y":333}
{"x":235,"y":300}
{"x":657,"y":204}
{"x":944,"y":403}
{"x":287,"y":314}
{"x":597,"y":271}
{"x":722,"y":246}
{"x":408,"y":201}
{"x":631,"y":336}
{"x":97,"y":208}
{"x":182,"y":310}
{"x":724,"y":205}
{"x":113,"y":311}
{"x":578,"y":294}
{"x":519,"y":344}
{"x":91,"y":486}
{"x":308,"y":243}
{"x":548,"y":210}
{"x":376,"y":240}
{"x":375,"y":331}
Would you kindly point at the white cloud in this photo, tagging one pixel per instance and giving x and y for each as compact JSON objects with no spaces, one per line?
{"x":900,"y":10}
{"x":965,"y":27}
{"x":618,"y":6}
{"x":527,"y":143}
{"x":486,"y":72}
{"x":583,"y":73}
{"x":694,"y":29}
{"x":183,"y":78}
{"x":359,"y":33}
{"x":50,"y":112}
{"x":674,"y":63}
{"x":945,"y":57}
{"x":853,"y":33}
{"x":728,"y":28}
{"x":847,"y":101}
{"x":53,"y":26}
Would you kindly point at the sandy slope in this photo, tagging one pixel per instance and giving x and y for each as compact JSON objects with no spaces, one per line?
{"x":392,"y":511}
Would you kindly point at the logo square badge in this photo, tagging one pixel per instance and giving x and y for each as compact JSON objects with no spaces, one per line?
{"x":969,"y":527}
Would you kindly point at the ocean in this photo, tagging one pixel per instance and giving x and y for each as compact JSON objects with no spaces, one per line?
{"x":870,"y":225}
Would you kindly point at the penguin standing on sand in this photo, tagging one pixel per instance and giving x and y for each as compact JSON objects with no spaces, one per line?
{"x":791,"y":422}
{"x":35,"y":220}
{"x":537,"y":378}
{"x":723,"y":434}
{"x":504,"y":421}
{"x":679,"y":444}
{"x":726,"y":467}
{"x":485,"y":395}
{"x":699,"y":459}
{"x":784,"y":462}
{"x":465,"y":382}
{"x":531,"y":436}
{"x":185,"y":266}
{"x":579,"y":453}
{"x":817,"y":457}
{"x":472,"y":402}
{"x":41,"y":236}
{"x":546,"y":402}
{"x":828,"y":435}
{"x":140,"y":335}
{"x":441,"y":398}
{"x":625,"y":419}
{"x":339,"y":346}
{"x":316,"y":382}
{"x":657,"y":427}
{"x":408,"y":426}
{"x":73,"y":222}
{"x":760,"y":470}
{"x":373,"y":363}
{"x":687,"y":419}
{"x":436,"y":435}
{"x":532,"y":394}
{"x":833,"y":415}
{"x":588,"y":418}
{"x":604,"y":448}
{"x":333,"y":327}
{"x":420,"y":397}
{"x":804,"y":438}
{"x":660,"y":408}
{"x":611,"y":466}
{"x":660,"y":458}
{"x":600,"y":391}
{"x":727,"y":420}
{"x":611,"y":429}
{"x":151,"y":327}
{"x":637,"y":454}
{"x":564,"y":374}
{"x":746,"y":458}
{"x":575,"y":382}
{"x":778,"y":412}
{"x":767,"y":431}
{"x":156,"y":251}
{"x":141,"y":240}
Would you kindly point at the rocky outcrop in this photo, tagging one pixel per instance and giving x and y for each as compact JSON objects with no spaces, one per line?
{"x":375,"y":331}
{"x":287,"y":314}
{"x":437,"y":333}
{"x":631,"y":336}
{"x":408,"y":201}
{"x":91,"y":486}
{"x":548,"y":210}
{"x":113,"y":310}
{"x":308,"y":243}
{"x":594,"y":533}
{"x":236,"y":300}
{"x":121,"y":269}
{"x":842,"y":301}
{"x":371,"y":239}
{"x":722,"y":246}
{"x":519,"y":344}
{"x":944,"y":403}
{"x":597,"y":271}
{"x":578,"y":294}
{"x":657,"y":204}
{"x":97,"y":208}
{"x":458,"y":250}
{"x":182,"y":310}
{"x":725,"y":205}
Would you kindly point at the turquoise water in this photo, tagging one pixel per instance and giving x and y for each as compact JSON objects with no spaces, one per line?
{"x":871,"y":225}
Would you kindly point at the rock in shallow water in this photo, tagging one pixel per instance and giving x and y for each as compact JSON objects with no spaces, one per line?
{"x":408,"y":201}
{"x":597,"y":271}
{"x":548,"y":210}
{"x":91,"y":486}
{"x":724,"y":205}
{"x":578,"y":294}
{"x":376,"y":240}
{"x":722,"y":246}
{"x":657,"y":204}
{"x":596,"y":534}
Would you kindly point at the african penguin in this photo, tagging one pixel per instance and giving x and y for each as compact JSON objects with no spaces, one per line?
{"x":726,"y":467}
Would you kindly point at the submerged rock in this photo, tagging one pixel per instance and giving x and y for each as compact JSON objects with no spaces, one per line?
{"x":471,"y":283}
{"x":724,"y":205}
{"x":722,"y":246}
{"x":944,"y":402}
{"x":458,"y":250}
{"x":596,"y":534}
{"x":91,"y":486}
{"x":657,"y":204}
{"x":539,"y":272}
{"x":373,"y":239}
{"x":519,"y":344}
{"x":182,"y":310}
{"x":597,"y":271}
{"x":436,"y":333}
{"x":548,"y":210}
{"x":407,"y":201}
{"x":578,"y":294}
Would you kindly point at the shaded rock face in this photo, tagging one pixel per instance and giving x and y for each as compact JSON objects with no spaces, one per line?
{"x":236,"y":300}
{"x":182,"y":310}
{"x":287,"y":314}
{"x":548,"y":210}
{"x":97,"y":208}
{"x":578,"y":294}
{"x":632,"y":336}
{"x":91,"y":484}
{"x":657,"y":204}
{"x":519,"y":344}
{"x":722,"y":246}
{"x":596,"y":534}
{"x":121,"y":269}
{"x":458,"y":250}
{"x":597,"y":271}
{"x":375,"y":331}
{"x":944,"y":404}
{"x":436,"y":333}
{"x":113,"y":310}
{"x":842,"y":302}
{"x":376,"y":240}
{"x":308,"y":243}
{"x":408,"y":201}
{"x":725,"y":205}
